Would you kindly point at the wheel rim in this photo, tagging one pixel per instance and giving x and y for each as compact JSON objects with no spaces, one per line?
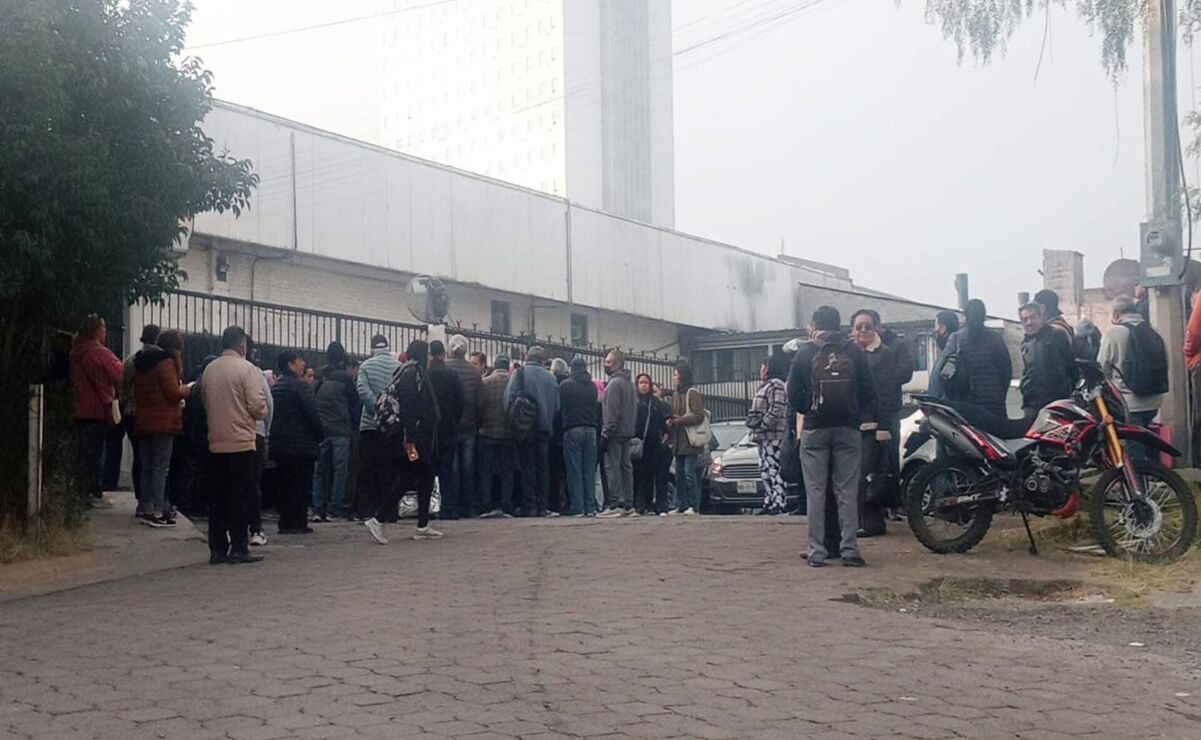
{"x":947,"y":524}
{"x":1149,"y":529}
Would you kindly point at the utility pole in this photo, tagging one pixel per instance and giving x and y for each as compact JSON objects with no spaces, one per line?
{"x":1162,"y":259}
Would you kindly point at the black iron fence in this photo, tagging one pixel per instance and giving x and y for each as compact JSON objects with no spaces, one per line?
{"x":202,"y":318}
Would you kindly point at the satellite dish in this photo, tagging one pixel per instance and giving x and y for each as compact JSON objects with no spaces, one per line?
{"x":427,"y":299}
{"x":1120,"y":278}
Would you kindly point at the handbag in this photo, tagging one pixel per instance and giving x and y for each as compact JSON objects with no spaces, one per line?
{"x":637,"y":443}
{"x":701,"y":435}
{"x":790,"y":460}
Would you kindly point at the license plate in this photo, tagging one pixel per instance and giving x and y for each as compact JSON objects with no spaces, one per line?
{"x":748,"y":486}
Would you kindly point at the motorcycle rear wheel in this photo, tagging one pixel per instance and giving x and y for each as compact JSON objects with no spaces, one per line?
{"x":1161,"y":531}
{"x":935,"y":481}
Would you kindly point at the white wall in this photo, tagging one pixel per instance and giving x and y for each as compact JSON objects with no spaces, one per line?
{"x":365,"y":205}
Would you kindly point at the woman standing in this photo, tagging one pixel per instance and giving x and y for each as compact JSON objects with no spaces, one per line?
{"x":688,"y":412}
{"x":768,"y":422}
{"x":296,"y":436}
{"x":158,"y":391}
{"x":419,"y":417}
{"x":650,"y":496}
{"x":875,"y":437}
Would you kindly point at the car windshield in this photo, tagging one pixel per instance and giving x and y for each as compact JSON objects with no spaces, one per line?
{"x":729,"y":435}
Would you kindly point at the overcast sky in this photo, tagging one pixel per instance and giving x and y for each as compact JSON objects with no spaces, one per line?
{"x":847,"y":131}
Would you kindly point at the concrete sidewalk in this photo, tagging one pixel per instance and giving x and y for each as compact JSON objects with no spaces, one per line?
{"x":121,"y":547}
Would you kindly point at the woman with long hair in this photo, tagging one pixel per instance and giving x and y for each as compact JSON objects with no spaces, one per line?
{"x":979,"y":368}
{"x":687,"y":412}
{"x":768,"y":422}
{"x":650,"y":494}
{"x":158,"y":391}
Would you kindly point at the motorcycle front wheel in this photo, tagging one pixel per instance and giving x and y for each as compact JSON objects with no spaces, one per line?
{"x":946,"y":530}
{"x":1159,"y":529}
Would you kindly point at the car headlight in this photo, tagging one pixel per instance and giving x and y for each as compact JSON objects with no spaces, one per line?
{"x":717,"y":469}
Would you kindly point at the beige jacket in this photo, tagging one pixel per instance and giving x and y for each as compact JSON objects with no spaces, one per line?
{"x":232,"y":392}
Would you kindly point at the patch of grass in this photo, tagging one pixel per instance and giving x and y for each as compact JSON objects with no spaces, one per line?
{"x":967,"y":590}
{"x":1137,"y":582}
{"x":1051,"y":531}
{"x":52,"y":539}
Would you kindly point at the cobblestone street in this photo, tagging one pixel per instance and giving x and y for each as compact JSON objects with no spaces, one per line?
{"x":693,"y":628}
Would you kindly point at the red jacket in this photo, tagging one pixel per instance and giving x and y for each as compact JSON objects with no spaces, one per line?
{"x":157,"y":392}
{"x":96,"y":373}
{"x":1192,"y":340}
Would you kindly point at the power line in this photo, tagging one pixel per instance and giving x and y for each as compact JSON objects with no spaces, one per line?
{"x":316,"y":26}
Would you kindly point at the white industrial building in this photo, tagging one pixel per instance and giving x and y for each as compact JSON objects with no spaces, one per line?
{"x":338,"y":225}
{"x":569,"y":97}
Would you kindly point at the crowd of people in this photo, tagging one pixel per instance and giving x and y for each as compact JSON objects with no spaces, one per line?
{"x":531,"y":438}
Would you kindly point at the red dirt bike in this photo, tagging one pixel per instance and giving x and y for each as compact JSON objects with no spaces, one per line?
{"x":984,"y":464}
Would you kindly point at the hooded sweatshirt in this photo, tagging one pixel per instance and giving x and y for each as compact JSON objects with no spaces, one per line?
{"x":577,"y":399}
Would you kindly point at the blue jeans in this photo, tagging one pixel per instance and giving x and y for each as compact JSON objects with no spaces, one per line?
{"x":688,"y":488}
{"x":579,"y":456}
{"x":329,"y":477}
{"x":1140,"y":452}
{"x":495,"y":458}
{"x":155,"y":454}
{"x":458,"y":478}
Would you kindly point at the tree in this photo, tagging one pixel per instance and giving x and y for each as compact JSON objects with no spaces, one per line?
{"x":103,"y":162}
{"x":985,"y":26}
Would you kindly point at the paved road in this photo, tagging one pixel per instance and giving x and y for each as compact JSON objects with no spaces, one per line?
{"x":696,"y":628}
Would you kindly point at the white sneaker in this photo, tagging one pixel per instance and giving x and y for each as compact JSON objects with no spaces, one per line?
{"x":258,"y":539}
{"x":632,"y":512}
{"x":427,"y":533}
{"x":552,"y":514}
{"x":690,"y":511}
{"x":611,"y":514}
{"x":662,"y":513}
{"x":377,"y":530}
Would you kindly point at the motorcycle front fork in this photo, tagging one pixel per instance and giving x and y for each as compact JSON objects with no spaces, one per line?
{"x":1117,"y":453}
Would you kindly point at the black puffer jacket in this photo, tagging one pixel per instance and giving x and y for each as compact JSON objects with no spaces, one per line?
{"x":983,"y":369}
{"x":296,"y":429}
{"x":337,"y":401}
{"x":473,"y":386}
{"x":651,"y":434}
{"x":1049,"y":368}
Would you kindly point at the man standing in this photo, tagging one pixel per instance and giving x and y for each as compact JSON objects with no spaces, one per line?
{"x":619,"y":411}
{"x":495,"y":443}
{"x":337,"y":404}
{"x":232,"y":391}
{"x":463,"y":471}
{"x":1054,"y":318}
{"x":831,"y":386}
{"x":946,"y":323}
{"x":129,"y":412}
{"x":379,"y":467}
{"x":533,"y":384}
{"x":448,"y":391}
{"x":577,"y":399}
{"x":1048,"y":363}
{"x":1133,"y":356}
{"x":96,"y":374}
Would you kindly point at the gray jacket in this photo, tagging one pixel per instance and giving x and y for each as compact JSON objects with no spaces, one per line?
{"x":620,"y":407}
{"x":543,"y":388}
{"x":1115,"y":356}
{"x":375,"y":374}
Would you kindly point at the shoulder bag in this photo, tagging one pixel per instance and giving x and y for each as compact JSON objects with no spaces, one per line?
{"x":700,"y":435}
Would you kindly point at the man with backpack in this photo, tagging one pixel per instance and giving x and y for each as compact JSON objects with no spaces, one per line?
{"x":831,"y":386}
{"x":1133,"y":356}
{"x":532,"y":400}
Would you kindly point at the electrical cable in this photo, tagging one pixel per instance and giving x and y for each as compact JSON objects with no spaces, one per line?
{"x":316,"y":26}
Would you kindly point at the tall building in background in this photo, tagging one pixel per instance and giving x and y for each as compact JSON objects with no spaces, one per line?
{"x":571,"y":97}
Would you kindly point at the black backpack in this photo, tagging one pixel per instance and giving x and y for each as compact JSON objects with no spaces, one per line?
{"x":835,"y":390}
{"x":1146,"y":367}
{"x":523,"y":411}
